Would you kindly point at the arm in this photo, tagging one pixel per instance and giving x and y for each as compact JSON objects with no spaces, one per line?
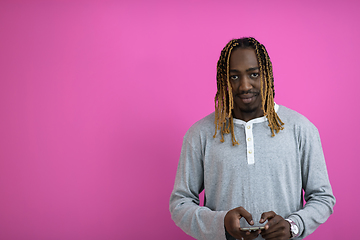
{"x":199,"y":222}
{"x":315,"y":182}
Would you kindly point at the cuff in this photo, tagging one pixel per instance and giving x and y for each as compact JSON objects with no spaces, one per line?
{"x":298,"y":221}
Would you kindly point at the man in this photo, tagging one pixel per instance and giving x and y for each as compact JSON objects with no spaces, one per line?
{"x":258,"y":166}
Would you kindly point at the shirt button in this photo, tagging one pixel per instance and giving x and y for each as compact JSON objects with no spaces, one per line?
{"x":248,"y":127}
{"x":250,"y":151}
{"x":249,"y":139}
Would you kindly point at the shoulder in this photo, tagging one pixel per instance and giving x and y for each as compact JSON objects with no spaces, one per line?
{"x":203,"y":128}
{"x":291,"y":118}
{"x":202,"y":131}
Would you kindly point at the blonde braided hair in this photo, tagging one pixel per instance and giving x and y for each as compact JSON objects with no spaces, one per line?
{"x":224,"y":102}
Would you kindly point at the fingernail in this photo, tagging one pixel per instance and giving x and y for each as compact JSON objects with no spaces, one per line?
{"x":251,"y":222}
{"x":261,"y":220}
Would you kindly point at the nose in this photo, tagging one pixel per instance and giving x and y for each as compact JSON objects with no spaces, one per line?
{"x":245,"y":84}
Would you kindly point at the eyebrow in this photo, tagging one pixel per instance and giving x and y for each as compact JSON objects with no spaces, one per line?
{"x":247,"y":70}
{"x":252,"y":69}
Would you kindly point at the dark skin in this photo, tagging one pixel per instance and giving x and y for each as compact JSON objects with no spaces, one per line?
{"x":246,"y":83}
{"x":232,"y":224}
{"x":276,"y":228}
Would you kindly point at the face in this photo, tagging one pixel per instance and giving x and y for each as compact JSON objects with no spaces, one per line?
{"x":245,"y":81}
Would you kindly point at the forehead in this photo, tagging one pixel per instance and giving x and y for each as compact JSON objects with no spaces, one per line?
{"x":243,"y":58}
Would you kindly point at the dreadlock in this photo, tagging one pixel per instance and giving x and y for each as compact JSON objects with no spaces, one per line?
{"x":224,"y":102}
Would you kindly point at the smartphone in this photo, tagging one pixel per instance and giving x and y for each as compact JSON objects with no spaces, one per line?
{"x":252,"y":228}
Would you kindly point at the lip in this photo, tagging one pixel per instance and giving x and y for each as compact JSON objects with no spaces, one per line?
{"x":247,"y":98}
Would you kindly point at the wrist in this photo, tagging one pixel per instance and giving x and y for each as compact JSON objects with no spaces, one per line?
{"x":294,"y":229}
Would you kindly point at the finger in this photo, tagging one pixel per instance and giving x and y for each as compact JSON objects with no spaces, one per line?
{"x":232,"y":223}
{"x":251,"y":235}
{"x":267,"y":215}
{"x":280,"y":229}
{"x":275,"y":227}
{"x":248,"y":235}
{"x":245,"y":214}
{"x":273,"y":222}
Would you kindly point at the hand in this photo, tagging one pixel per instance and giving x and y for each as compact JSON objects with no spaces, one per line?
{"x":232,"y":224}
{"x":276,"y":228}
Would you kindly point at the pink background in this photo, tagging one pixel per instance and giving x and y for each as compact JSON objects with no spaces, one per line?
{"x":95,"y":97}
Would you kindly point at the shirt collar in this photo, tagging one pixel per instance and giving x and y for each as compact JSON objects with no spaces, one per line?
{"x":255,"y":120}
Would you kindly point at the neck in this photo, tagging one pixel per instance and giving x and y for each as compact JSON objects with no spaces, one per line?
{"x":247,"y":116}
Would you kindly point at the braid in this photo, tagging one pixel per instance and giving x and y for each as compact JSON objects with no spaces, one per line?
{"x":224,"y":102}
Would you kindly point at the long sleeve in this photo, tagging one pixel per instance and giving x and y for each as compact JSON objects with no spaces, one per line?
{"x":198,"y":222}
{"x":315,"y":183}
{"x":283,"y":167}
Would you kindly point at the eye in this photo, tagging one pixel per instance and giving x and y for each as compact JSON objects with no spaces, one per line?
{"x":234,"y":77}
{"x":254,"y":75}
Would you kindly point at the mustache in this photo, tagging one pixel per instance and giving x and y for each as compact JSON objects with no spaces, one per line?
{"x":249,"y":92}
